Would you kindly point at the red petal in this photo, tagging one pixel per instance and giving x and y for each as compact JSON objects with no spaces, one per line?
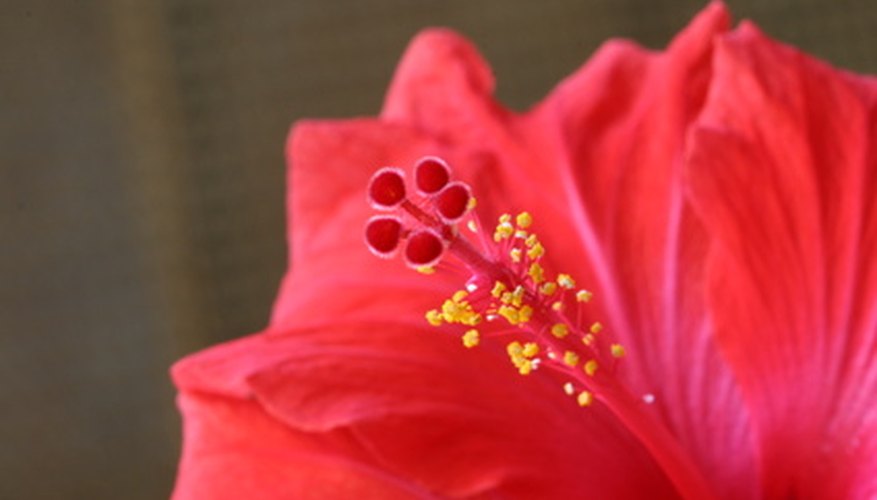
{"x":233,"y":449}
{"x":422,"y":407}
{"x":441,"y":84}
{"x":784,"y":175}
{"x":609,"y":154}
{"x":617,"y":130}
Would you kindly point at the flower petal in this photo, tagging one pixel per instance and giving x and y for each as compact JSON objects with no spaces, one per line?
{"x":233,"y":450}
{"x":442,"y":87}
{"x":784,"y":175}
{"x":617,"y":129}
{"x":455,"y":423}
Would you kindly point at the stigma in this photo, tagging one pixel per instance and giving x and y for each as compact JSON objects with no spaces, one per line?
{"x":508,"y":293}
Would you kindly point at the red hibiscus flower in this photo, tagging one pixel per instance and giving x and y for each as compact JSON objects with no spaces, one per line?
{"x":718,"y":200}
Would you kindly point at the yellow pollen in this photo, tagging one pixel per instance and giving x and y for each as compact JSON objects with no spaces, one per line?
{"x":560,"y":330}
{"x":591,"y":367}
{"x":557,"y":306}
{"x":515,"y":254}
{"x":536,"y":273}
{"x":525,"y":367}
{"x":525,"y":313}
{"x":426,"y":270}
{"x":585,"y":398}
{"x":503,"y":231}
{"x":472,"y":203}
{"x":536,"y":251}
{"x":498,"y":288}
{"x":530,"y":349}
{"x":569,"y":389}
{"x":514,"y":348}
{"x":471,"y":338}
{"x":566,"y":281}
{"x":524,"y":220}
{"x":571,"y":358}
{"x":548,"y":288}
{"x":472,"y":226}
{"x":518,"y":296}
{"x":531,"y":240}
{"x":434,"y":317}
{"x":617,"y":350}
{"x":505,"y":218}
{"x":510,"y":314}
{"x":584,"y":296}
{"x":588,"y":339}
{"x":596,"y":328}
{"x":471,"y":318}
{"x":520,"y":234}
{"x":521,"y":356}
{"x":457,"y":310}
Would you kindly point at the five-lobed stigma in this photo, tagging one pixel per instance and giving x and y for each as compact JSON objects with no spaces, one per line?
{"x":508,"y":293}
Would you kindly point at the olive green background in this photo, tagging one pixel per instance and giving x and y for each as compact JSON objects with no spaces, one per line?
{"x":142,"y":184}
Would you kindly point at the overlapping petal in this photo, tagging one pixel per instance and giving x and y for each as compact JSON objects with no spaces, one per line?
{"x":784,"y":174}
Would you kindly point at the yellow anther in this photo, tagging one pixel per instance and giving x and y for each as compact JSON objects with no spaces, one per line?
{"x":617,"y":350}
{"x":518,"y":296}
{"x":505,"y":219}
{"x":530,"y":349}
{"x":515,"y":254}
{"x":557,"y":306}
{"x":520,"y":234}
{"x":585,"y":398}
{"x":472,"y":203}
{"x":520,"y":356}
{"x":450,"y":310}
{"x":591,"y":367}
{"x":548,"y":288}
{"x":471,"y":338}
{"x":566,"y":281}
{"x":560,"y":330}
{"x":506,"y":298}
{"x":514,"y":348}
{"x":525,"y":367}
{"x":524,"y":220}
{"x":531,"y":240}
{"x":503,"y":231}
{"x":596,"y":328}
{"x":498,"y":288}
{"x":525,"y":313}
{"x":470,"y":318}
{"x":510,"y":314}
{"x":569,"y":389}
{"x":434,"y":317}
{"x":536,"y":273}
{"x":571,"y":358}
{"x":426,"y":270}
{"x":588,"y":339}
{"x":472,"y":226}
{"x":584,"y":296}
{"x":457,"y":310}
{"x":536,"y":251}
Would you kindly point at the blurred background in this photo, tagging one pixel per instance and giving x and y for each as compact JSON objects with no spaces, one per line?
{"x":142,"y":184}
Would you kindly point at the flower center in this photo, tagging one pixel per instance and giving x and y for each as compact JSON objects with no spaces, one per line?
{"x":508,"y":295}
